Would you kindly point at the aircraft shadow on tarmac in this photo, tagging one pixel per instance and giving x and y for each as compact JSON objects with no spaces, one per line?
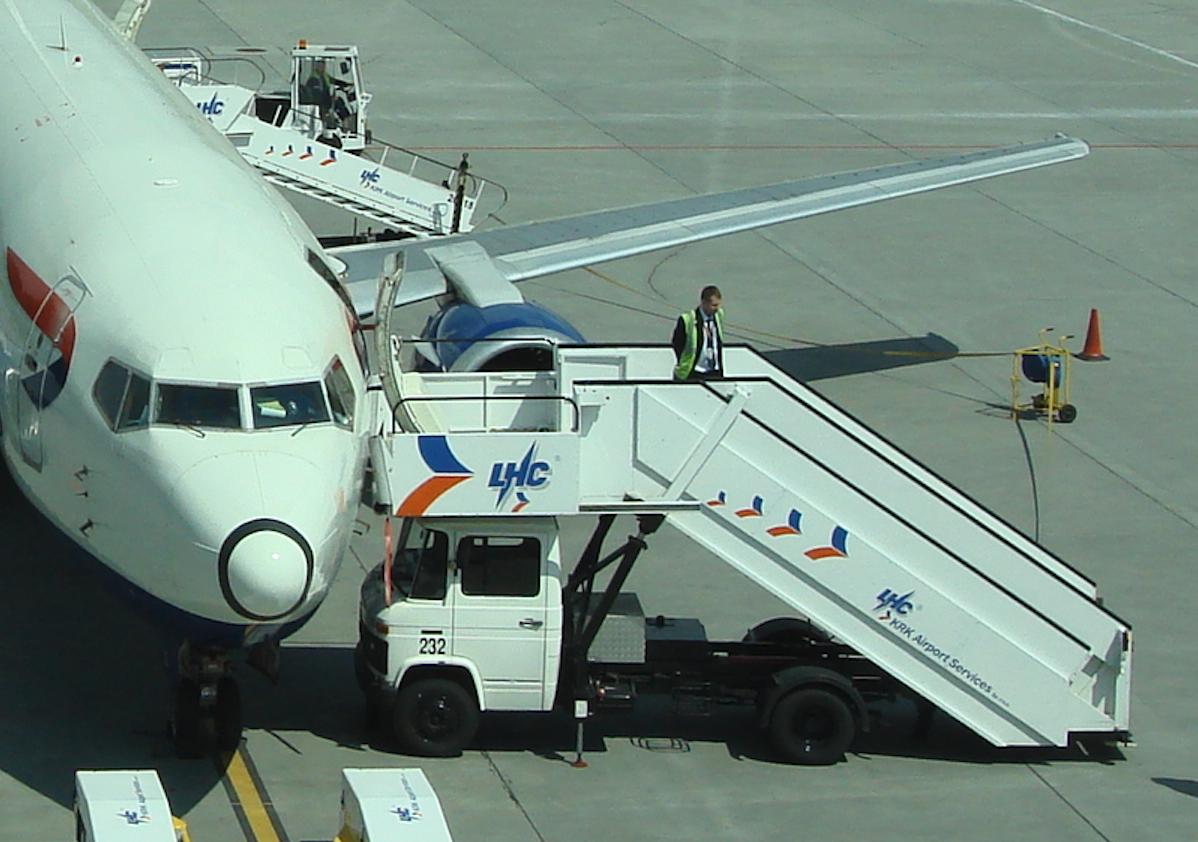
{"x":824,"y":362}
{"x":85,"y":686}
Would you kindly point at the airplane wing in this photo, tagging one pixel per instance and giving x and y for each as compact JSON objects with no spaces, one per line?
{"x":520,"y":252}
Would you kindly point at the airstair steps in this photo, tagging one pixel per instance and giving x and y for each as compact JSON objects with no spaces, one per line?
{"x":347,"y":203}
{"x":804,"y":500}
{"x":356,"y":183}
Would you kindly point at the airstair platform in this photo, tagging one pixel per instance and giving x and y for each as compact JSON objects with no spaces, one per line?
{"x":800,"y":497}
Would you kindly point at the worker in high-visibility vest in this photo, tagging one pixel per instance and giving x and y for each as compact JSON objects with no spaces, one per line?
{"x":699,"y":339}
{"x":318,"y":89}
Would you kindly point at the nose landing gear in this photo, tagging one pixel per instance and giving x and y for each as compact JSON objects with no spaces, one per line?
{"x":207,"y":704}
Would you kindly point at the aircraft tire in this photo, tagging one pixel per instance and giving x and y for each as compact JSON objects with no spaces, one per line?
{"x":435,"y":717}
{"x":187,"y":726}
{"x":227,"y":715}
{"x":813,"y":726}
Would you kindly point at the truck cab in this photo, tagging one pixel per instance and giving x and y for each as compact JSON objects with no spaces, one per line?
{"x":328,"y":100}
{"x":467,"y":618}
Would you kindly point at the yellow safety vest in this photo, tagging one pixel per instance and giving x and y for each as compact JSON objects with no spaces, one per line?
{"x":690,"y":351}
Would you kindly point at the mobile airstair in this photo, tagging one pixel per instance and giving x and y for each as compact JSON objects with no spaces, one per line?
{"x":313,"y":139}
{"x":800,"y":497}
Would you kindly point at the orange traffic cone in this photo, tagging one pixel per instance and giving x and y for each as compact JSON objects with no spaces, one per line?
{"x":1092,"y":350}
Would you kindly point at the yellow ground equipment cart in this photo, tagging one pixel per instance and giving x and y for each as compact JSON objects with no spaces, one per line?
{"x":1047,"y":365}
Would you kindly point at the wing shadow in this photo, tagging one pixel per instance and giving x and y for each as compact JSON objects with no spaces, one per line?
{"x":824,"y":362}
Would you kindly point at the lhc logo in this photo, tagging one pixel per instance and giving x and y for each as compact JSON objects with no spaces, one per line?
{"x":212,"y":107}
{"x":529,"y":473}
{"x":892,"y":601}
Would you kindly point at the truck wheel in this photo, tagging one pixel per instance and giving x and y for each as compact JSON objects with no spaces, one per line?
{"x":812,"y":726}
{"x":435,"y":717}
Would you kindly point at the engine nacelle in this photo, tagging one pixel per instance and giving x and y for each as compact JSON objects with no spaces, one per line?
{"x":498,"y":337}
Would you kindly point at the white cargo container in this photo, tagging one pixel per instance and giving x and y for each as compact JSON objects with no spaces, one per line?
{"x":119,"y":805}
{"x":382,"y":805}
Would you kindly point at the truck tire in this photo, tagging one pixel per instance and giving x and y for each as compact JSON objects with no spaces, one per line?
{"x":813,"y":726}
{"x":435,"y":717}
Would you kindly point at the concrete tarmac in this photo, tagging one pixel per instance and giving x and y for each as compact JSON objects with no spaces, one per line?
{"x":577,"y":106}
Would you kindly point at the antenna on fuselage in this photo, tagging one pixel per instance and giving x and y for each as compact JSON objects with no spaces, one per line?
{"x":61,"y":46}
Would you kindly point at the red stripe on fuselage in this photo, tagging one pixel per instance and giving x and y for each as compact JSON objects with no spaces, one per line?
{"x":29,"y":289}
{"x":54,"y":319}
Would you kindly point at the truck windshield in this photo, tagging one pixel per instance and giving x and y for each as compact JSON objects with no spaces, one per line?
{"x":421,"y":563}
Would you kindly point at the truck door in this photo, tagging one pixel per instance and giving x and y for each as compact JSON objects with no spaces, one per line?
{"x":500,"y":616}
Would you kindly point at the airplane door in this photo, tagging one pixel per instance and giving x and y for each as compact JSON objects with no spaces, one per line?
{"x":44,"y":362}
{"x":499,"y":617}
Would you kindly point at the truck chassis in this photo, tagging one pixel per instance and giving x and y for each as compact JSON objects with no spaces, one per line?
{"x":810,"y":691}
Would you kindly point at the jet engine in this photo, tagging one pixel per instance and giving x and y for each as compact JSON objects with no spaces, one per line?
{"x":483,"y":322}
{"x":497,"y":337}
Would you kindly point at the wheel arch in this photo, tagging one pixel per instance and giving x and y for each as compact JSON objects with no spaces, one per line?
{"x":462,"y":672}
{"x":793,"y":678}
{"x":786,"y":629}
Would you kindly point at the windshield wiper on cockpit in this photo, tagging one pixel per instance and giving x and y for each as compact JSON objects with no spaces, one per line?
{"x":185,"y":426}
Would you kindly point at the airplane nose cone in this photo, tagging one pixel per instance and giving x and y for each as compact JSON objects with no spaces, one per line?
{"x":265,"y":569}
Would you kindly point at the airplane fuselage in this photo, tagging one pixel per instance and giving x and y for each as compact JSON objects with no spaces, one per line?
{"x":182,"y":393}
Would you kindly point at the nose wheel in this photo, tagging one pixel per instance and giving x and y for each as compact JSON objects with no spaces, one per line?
{"x":206,"y":713}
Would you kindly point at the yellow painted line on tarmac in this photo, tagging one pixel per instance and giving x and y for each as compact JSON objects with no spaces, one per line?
{"x":247,"y":795}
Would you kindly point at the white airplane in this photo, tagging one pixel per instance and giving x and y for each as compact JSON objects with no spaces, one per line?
{"x":184,"y":390}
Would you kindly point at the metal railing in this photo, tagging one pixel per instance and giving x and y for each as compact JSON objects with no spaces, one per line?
{"x":490,"y":421}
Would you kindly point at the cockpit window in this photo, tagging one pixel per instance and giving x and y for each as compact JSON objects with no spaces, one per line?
{"x":109,"y":390}
{"x":123,"y":397}
{"x":135,"y":412}
{"x":198,"y":406}
{"x":294,"y":403}
{"x":341,"y":394}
